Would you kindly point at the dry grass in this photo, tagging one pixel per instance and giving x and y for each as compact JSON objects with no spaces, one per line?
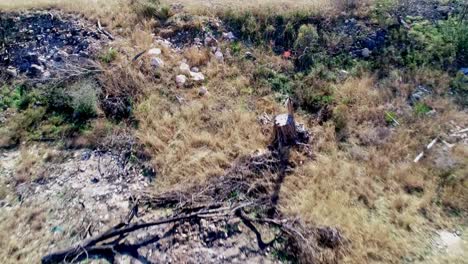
{"x":385,"y":204}
{"x":201,"y":136}
{"x":277,"y":6}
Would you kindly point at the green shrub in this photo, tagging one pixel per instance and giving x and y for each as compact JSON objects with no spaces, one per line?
{"x":84,"y":99}
{"x":109,"y":56}
{"x":9,"y":98}
{"x":307,"y":37}
{"x":390,"y":117}
{"x":421,"y":108}
{"x":278,"y":82}
{"x":440,"y":45}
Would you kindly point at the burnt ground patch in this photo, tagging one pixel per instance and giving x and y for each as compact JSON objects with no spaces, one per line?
{"x":46,"y":44}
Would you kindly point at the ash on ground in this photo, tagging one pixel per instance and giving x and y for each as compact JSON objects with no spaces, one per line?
{"x":47,"y":44}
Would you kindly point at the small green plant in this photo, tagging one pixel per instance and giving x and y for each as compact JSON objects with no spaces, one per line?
{"x":278,"y":82}
{"x":9,"y":98}
{"x":84,"y":99}
{"x":109,"y":56}
{"x":421,"y":108}
{"x":391,"y":118}
{"x":235,"y":47}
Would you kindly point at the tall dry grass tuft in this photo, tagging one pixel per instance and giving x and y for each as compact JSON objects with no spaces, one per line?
{"x":192,"y":142}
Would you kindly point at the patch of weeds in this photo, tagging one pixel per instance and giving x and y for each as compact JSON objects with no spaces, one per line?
{"x":84,"y":99}
{"x":460,"y":88}
{"x":235,"y":47}
{"x":441,"y":45}
{"x":49,"y":113}
{"x":9,"y":97}
{"x":421,"y":109}
{"x":108,"y":56}
{"x":278,"y":82}
{"x":390,"y":117}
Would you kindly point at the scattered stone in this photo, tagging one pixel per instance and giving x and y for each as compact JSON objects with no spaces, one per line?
{"x":12,"y":71}
{"x":181,"y":80}
{"x":157,"y":62}
{"x":197,"y":76}
{"x":229,"y":36}
{"x":451,"y":242}
{"x":195,"y":69}
{"x":184,"y":68}
{"x":249,"y":56}
{"x":219,"y":56}
{"x":365,"y":52}
{"x":202,"y":91}
{"x":210,"y":41}
{"x":154,"y":52}
{"x":419,"y":93}
{"x":36,"y":70}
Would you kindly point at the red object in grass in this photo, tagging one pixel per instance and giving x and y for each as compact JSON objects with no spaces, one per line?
{"x":287,"y":54}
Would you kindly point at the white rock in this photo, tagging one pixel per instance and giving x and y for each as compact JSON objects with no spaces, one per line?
{"x":154,"y":51}
{"x":157,"y":62}
{"x":197,"y":76}
{"x":12,"y":71}
{"x":195,"y":69}
{"x":365,"y":52}
{"x":184,"y":68}
{"x":229,"y":36}
{"x":219,"y":56}
{"x":202,"y":91}
{"x":180,"y":80}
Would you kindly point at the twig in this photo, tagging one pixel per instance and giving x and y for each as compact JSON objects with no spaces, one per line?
{"x":121,"y":229}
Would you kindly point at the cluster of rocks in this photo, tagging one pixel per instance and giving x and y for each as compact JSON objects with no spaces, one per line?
{"x":188,"y":76}
{"x":41,"y":44}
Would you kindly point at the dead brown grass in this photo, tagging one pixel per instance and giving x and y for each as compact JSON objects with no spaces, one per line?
{"x":370,"y":188}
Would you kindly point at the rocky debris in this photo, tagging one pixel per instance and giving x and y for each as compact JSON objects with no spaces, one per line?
{"x":184,"y":68}
{"x":450,"y":242}
{"x":418,"y":94}
{"x":365,"y":53}
{"x":195,"y":69}
{"x":249,"y":56}
{"x":43,"y":44}
{"x":202,"y":91}
{"x":157,"y":62}
{"x":181,"y":80}
{"x":197,"y":76}
{"x":154,"y":52}
{"x":229,"y":36}
{"x":219,"y":56}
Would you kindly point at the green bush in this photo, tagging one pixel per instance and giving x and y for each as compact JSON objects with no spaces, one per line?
{"x":84,"y":99}
{"x":278,"y":82}
{"x":421,"y":108}
{"x":109,"y":56}
{"x":9,"y":97}
{"x":440,"y":45}
{"x":307,"y":37}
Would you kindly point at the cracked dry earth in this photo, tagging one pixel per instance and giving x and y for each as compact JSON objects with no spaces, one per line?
{"x":84,"y":192}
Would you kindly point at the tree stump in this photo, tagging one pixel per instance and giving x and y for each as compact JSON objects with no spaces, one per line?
{"x":284,"y":131}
